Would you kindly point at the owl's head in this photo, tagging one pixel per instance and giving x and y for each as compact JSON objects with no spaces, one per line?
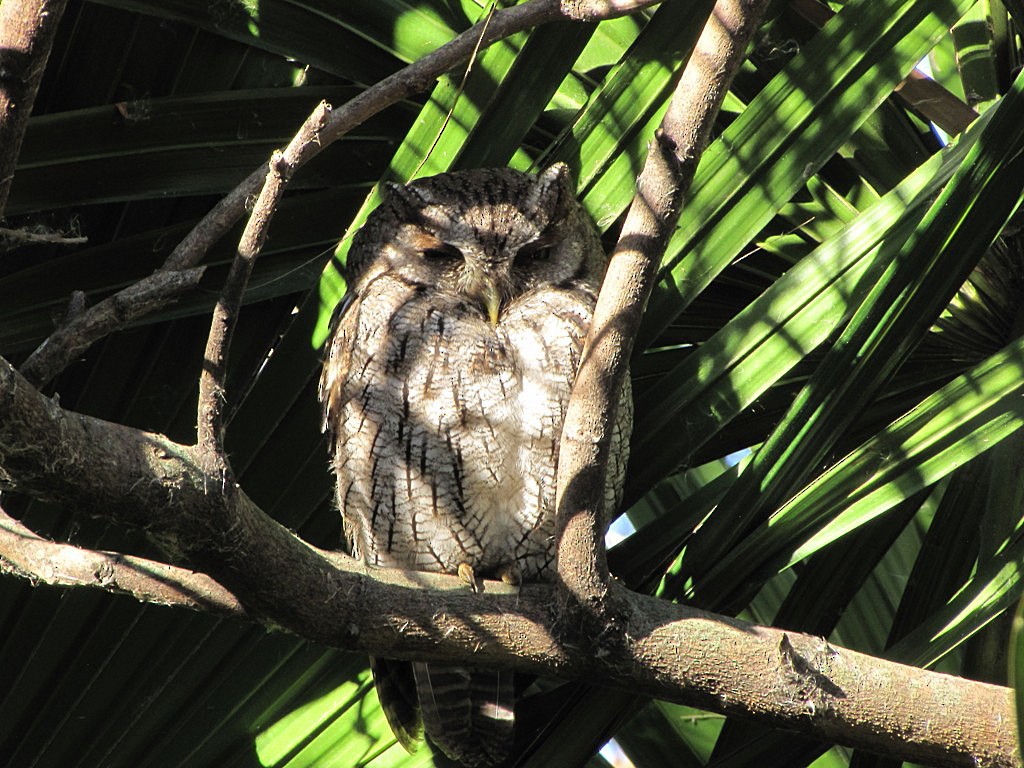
{"x":484,"y":236}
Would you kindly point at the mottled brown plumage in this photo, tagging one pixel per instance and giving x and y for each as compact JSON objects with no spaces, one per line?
{"x":445,"y":389}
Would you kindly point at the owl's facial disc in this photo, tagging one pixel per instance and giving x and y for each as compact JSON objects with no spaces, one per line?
{"x":483,"y":281}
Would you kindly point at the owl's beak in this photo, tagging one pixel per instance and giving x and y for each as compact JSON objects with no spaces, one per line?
{"x":482,"y":287}
{"x":492,"y":300}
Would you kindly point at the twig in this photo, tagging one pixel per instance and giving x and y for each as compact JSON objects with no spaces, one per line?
{"x":27,"y":30}
{"x":57,"y":352}
{"x":16,"y":238}
{"x":210,"y":417}
{"x":668,"y":171}
{"x":25,"y":554}
{"x":597,"y":10}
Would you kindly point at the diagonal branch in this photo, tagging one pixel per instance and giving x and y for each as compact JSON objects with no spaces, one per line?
{"x":84,"y":326}
{"x":668,"y":171}
{"x":74,"y":337}
{"x":666,"y":651}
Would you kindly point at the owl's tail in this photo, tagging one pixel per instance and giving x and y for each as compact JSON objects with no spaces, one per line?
{"x":467,"y":713}
{"x":396,"y":689}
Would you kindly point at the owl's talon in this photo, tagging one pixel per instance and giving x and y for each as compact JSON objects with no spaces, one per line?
{"x":468,"y":575}
{"x":510,"y":575}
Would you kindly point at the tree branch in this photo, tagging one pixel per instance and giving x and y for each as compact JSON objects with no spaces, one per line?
{"x":85,"y":326}
{"x":210,"y":416}
{"x":17,"y":238}
{"x":664,"y":650}
{"x":668,"y":171}
{"x":29,"y":556}
{"x":27,"y":31}
{"x":70,"y":340}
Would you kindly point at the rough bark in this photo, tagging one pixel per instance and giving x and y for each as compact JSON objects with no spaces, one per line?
{"x":27,"y":555}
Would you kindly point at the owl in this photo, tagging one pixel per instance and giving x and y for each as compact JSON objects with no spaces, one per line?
{"x":444,"y":391}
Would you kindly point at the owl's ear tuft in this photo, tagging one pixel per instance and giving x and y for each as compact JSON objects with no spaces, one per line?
{"x":550,"y":192}
{"x":404,"y":199}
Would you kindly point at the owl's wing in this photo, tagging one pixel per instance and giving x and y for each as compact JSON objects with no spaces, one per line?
{"x":343,"y":305}
{"x":339,"y":353}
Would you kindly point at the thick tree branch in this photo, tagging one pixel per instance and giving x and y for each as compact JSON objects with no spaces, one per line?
{"x":27,"y":31}
{"x":71,"y":339}
{"x":667,"y":173}
{"x":664,"y":650}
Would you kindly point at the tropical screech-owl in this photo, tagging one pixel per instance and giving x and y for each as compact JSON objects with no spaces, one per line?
{"x":445,"y":390}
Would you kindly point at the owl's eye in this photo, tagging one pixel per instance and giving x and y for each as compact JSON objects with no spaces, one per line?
{"x":536,"y":251}
{"x":442,"y":252}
